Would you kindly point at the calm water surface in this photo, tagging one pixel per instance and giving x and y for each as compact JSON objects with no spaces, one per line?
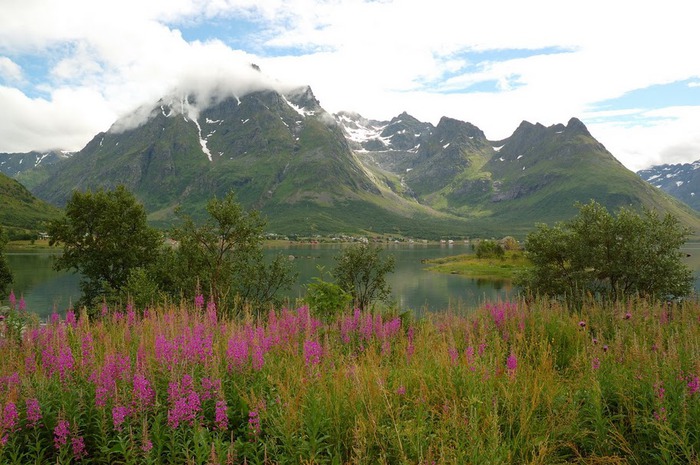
{"x":413,"y":288}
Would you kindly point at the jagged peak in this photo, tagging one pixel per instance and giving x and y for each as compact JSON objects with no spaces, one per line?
{"x":577,"y":125}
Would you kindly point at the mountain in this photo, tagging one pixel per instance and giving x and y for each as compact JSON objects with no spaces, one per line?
{"x":312,"y":172}
{"x":12,"y":164}
{"x":20,"y":209}
{"x":280,"y":152}
{"x":680,"y":180}
{"x":535,"y":175}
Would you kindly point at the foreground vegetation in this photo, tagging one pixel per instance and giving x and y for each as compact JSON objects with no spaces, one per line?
{"x":513,"y":382}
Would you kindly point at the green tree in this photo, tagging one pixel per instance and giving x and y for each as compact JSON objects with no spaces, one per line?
{"x":223,"y":257}
{"x":489,"y":249}
{"x":104,"y":236}
{"x":609,"y":256}
{"x":5,"y":272}
{"x":361,"y":271}
{"x":326,"y":298}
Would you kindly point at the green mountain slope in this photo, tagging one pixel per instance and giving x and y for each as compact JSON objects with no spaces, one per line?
{"x":281,"y":154}
{"x":311,"y":172}
{"x":19,"y":209}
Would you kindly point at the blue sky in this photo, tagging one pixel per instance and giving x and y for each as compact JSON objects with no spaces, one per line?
{"x":69,"y":69}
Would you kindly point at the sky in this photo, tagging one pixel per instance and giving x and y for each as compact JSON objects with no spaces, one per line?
{"x":628,"y":69}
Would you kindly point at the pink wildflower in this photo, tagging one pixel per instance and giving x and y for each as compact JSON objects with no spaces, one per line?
{"x":71,"y":319}
{"x":119,"y":414}
{"x":199,"y":301}
{"x":401,"y":390}
{"x":78,"y":444}
{"x":237,"y":353}
{"x":61,"y":433}
{"x":147,"y":445}
{"x":10,"y":417}
{"x":254,"y":422}
{"x":595,"y":363}
{"x":22,"y":304}
{"x":258,"y":358}
{"x":312,"y":353}
{"x":12,"y":299}
{"x":220,"y":415}
{"x":582,"y":324}
{"x":512,"y":363}
{"x":693,"y":385}
{"x":454,"y":356}
{"x":33,"y":412}
{"x":143,"y":393}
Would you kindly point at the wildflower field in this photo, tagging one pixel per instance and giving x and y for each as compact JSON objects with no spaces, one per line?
{"x":512,"y":382}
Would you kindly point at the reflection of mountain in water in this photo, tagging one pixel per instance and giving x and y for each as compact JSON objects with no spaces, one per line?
{"x":413,"y":288}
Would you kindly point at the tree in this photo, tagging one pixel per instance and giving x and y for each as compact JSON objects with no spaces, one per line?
{"x":104,"y":236}
{"x":326,"y":298}
{"x":489,"y":249}
{"x":609,"y":256}
{"x":361,"y":272}
{"x":223,"y":257}
{"x":5,"y":272}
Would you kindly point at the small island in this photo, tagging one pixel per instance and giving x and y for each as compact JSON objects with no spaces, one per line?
{"x":501,"y":260}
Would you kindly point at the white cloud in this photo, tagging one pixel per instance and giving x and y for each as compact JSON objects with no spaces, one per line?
{"x":59,"y":123}
{"x":9,"y":70}
{"x":374,"y":57}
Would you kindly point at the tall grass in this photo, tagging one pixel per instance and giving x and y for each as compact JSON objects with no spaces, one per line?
{"x":512,"y":382}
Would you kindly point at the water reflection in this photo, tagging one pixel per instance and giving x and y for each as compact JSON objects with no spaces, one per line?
{"x":413,"y":288}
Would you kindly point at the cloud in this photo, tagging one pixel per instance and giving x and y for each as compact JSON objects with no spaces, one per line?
{"x":374,"y":57}
{"x":59,"y":123}
{"x":9,"y":70}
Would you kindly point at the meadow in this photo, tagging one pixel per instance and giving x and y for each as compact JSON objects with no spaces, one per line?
{"x":511,"y":382}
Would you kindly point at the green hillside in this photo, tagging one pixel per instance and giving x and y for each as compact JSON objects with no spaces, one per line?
{"x":312,"y":173}
{"x":20,"y":210}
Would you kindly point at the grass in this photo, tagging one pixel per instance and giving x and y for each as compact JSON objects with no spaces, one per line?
{"x":511,"y":382}
{"x":486,"y":268}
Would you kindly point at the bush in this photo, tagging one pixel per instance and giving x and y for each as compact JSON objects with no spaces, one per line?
{"x":609,"y":257}
{"x":361,"y":272}
{"x":489,"y":249}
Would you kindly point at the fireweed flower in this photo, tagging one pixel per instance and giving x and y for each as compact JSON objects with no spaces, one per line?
{"x":71,"y":319}
{"x":454,"y":356}
{"x":61,"y":433}
{"x":147,"y":445}
{"x":12,"y":299}
{"x":119,"y":414}
{"x":237,"y":353}
{"x":693,"y":385}
{"x":512,"y":363}
{"x":10,"y":417}
{"x":254,"y":422}
{"x":22,"y":304}
{"x":78,"y":444}
{"x":258,"y":358}
{"x":33,"y":412}
{"x":220,"y":415}
{"x":312,"y":353}
{"x":143,"y":393}
{"x":199,"y":301}
{"x":595,"y":363}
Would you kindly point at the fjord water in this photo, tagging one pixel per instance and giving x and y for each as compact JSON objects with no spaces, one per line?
{"x":413,"y":288}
